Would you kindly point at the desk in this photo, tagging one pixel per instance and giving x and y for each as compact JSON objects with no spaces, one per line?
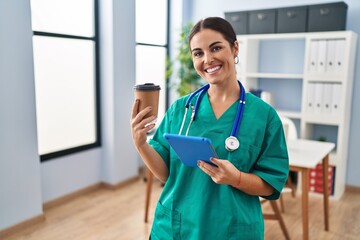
{"x":304,"y":155}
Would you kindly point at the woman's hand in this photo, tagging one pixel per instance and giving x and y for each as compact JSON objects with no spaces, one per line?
{"x":140,"y":125}
{"x":225,"y":173}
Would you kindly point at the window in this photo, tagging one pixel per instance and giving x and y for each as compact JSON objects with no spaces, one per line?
{"x":66,"y":75}
{"x":152,"y":45}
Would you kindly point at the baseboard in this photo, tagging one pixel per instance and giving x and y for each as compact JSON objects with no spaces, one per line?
{"x":27,"y":223}
{"x":121,"y":184}
{"x":61,"y":200}
{"x":71,"y":196}
{"x":353,"y":189}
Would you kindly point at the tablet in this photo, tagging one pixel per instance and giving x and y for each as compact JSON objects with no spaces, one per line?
{"x":190,"y":149}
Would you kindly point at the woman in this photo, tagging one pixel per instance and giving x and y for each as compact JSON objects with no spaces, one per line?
{"x":215,"y":202}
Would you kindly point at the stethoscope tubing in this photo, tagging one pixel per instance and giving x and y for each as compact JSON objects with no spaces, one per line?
{"x":202,"y":90}
{"x":240,"y":112}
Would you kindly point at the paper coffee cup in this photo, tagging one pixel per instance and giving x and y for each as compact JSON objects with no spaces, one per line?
{"x":148,"y":95}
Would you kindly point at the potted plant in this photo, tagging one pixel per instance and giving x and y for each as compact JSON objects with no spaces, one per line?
{"x":189,"y":79}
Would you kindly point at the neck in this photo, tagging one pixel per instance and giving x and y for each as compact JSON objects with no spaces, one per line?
{"x":224,"y":92}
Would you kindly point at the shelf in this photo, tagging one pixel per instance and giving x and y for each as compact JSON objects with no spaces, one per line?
{"x":289,"y":114}
{"x":282,"y":65}
{"x":303,"y":35}
{"x":325,"y":77}
{"x":322,"y":119}
{"x":272,"y":36}
{"x":275,"y":75}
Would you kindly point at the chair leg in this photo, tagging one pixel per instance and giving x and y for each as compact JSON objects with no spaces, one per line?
{"x":279,"y":217}
{"x":149,"y":178}
{"x":291,"y":185}
{"x":282,"y":206}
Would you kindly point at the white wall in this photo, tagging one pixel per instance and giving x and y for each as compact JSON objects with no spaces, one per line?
{"x":70,"y":173}
{"x":206,"y":8}
{"x":20,"y":187}
{"x":117,"y":41}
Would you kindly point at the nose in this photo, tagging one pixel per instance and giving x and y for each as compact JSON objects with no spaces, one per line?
{"x":209,"y":58}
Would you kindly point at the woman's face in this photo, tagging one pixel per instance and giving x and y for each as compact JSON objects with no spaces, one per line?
{"x":213,"y":57}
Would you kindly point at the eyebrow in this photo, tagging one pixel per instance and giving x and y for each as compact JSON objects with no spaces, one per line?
{"x":212,"y":44}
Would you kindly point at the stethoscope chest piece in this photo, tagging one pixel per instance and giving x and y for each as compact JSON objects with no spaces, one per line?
{"x":231,"y":143}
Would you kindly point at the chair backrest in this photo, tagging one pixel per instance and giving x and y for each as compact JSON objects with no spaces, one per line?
{"x":289,"y":128}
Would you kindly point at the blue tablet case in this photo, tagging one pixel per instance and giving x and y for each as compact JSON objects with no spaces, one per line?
{"x":190,"y":149}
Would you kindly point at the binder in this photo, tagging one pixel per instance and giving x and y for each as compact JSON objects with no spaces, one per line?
{"x":319,"y":90}
{"x":313,"y":56}
{"x":339,"y":55}
{"x":330,"y":58}
{"x":327,"y":97}
{"x":310,"y":98}
{"x":317,"y":178}
{"x":336,"y":99}
{"x":316,"y":181}
{"x":321,"y":61}
{"x":320,"y":189}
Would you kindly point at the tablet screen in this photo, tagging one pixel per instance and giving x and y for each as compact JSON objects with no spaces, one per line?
{"x":190,"y":149}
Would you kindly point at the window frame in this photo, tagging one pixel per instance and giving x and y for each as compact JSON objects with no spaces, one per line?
{"x":167,"y":50}
{"x":95,"y":39}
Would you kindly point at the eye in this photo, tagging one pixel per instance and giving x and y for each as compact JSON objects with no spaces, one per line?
{"x":216,"y":49}
{"x":197,"y":53}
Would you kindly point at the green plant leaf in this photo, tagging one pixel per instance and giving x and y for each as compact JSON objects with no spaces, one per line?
{"x":189,"y":79}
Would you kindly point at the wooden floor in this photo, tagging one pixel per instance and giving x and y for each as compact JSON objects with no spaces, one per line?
{"x":118,"y":214}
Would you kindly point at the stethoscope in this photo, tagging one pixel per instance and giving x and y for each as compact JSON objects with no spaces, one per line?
{"x":231,"y":142}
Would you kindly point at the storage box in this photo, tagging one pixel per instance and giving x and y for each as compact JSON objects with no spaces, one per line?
{"x":327,"y":17}
{"x":291,"y":19}
{"x":238,"y":20}
{"x":262,"y":21}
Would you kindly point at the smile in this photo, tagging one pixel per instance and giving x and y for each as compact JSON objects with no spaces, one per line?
{"x":213,"y":69}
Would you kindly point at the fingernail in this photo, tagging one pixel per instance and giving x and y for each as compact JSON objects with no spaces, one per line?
{"x":198,"y":163}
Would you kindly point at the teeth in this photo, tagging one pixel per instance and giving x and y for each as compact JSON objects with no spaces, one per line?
{"x":210,"y":70}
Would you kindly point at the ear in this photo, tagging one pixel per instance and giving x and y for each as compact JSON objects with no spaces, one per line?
{"x":236,"y":48}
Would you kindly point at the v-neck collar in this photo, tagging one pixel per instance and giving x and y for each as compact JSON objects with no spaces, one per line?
{"x":210,"y":112}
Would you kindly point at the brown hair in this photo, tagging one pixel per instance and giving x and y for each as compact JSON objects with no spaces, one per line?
{"x":217,"y":24}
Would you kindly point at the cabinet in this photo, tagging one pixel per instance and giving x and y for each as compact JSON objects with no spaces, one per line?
{"x":310,"y":76}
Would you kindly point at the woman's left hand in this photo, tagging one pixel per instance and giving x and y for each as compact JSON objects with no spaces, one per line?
{"x":225,"y":173}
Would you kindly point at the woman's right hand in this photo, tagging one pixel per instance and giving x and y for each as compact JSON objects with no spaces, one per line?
{"x":140,"y":125}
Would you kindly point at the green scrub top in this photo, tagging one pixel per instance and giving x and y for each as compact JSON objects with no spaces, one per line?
{"x":191,"y":205}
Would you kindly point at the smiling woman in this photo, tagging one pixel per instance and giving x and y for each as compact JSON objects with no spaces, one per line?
{"x":222,"y":201}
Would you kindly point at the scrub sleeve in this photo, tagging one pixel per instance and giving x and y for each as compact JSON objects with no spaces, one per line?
{"x":191,"y":205}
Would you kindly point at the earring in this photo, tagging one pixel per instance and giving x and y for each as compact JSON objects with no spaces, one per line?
{"x":236,"y":60}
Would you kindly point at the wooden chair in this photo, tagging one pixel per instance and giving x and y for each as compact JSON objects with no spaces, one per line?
{"x":276,"y":215}
{"x":149,"y":180}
